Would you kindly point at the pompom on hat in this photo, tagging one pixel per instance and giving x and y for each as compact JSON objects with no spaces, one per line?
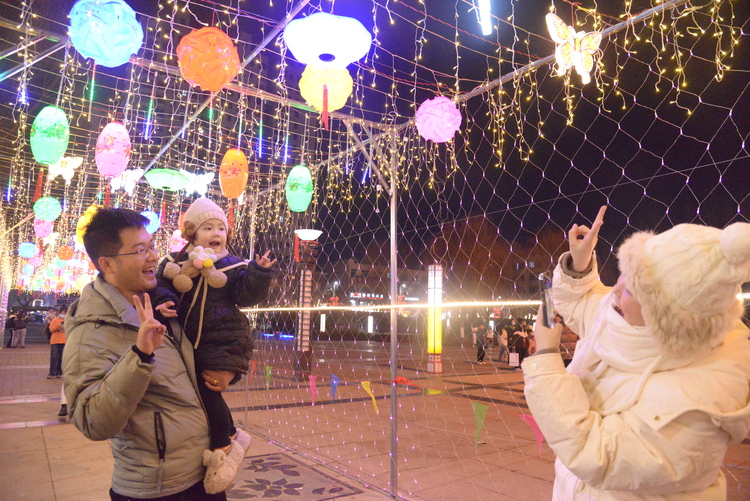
{"x":687,"y":280}
{"x":201,"y":210}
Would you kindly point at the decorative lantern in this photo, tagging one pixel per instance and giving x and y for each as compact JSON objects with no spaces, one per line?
{"x":327,"y":41}
{"x":166,"y":179}
{"x":42,"y":228}
{"x":27,"y":250}
{"x":208,"y":58}
{"x":65,"y":252}
{"x":438,"y":119}
{"x":50,"y":134}
{"x":27,"y":269}
{"x":47,"y":209}
{"x":233,"y":173}
{"x":326,"y":90}
{"x":112,"y":153}
{"x":127,"y":181}
{"x":153,"y":221}
{"x":61,"y":263}
{"x":299,"y":188}
{"x":176,"y":243}
{"x":105,"y":30}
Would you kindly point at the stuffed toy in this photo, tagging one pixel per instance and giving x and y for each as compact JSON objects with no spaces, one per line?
{"x":200,"y":262}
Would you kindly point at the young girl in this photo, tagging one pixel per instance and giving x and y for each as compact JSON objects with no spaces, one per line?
{"x":209,"y":284}
{"x":660,"y":381}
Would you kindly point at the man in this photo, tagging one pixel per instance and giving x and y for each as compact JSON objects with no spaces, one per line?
{"x":19,"y":331}
{"x":128,"y":378}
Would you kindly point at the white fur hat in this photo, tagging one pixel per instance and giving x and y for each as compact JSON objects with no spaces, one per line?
{"x":201,"y":210}
{"x":687,"y":280}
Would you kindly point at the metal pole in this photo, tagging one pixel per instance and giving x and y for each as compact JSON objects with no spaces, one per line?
{"x":274,"y":33}
{"x":21,"y":46}
{"x":22,"y":66}
{"x":394,"y":317}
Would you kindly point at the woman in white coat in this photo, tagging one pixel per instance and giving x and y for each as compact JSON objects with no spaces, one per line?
{"x":660,"y":381}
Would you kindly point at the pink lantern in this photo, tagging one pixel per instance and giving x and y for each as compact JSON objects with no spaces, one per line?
{"x":112,"y":152}
{"x":42,"y":228}
{"x":438,"y":119}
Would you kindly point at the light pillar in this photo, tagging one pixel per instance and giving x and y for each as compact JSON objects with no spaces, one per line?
{"x":434,"y":319}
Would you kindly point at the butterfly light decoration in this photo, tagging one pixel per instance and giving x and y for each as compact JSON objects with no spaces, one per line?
{"x":65,"y":167}
{"x":574,"y":49}
{"x":49,"y":240}
{"x":198,"y":183}
{"x":127,"y":181}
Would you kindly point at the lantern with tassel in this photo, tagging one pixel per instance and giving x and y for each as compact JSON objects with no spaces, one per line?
{"x":326,"y":90}
{"x":233,"y":174}
{"x":65,"y":253}
{"x":208,"y":58}
{"x":299,"y":188}
{"x":112,"y":153}
{"x":42,"y":228}
{"x":47,"y":209}
{"x":50,"y":134}
{"x":166,"y":180}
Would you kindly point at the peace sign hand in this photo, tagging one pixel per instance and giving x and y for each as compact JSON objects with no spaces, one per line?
{"x":151,"y":333}
{"x":264,"y":261}
{"x":582,"y":241}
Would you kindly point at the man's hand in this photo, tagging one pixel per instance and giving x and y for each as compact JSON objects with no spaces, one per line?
{"x":264,"y":261}
{"x":167,"y":309}
{"x":546,"y":338}
{"x":582,"y":241}
{"x":217,"y":380}
{"x":151,"y":333}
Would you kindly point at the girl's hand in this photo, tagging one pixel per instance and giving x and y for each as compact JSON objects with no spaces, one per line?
{"x":151,"y":333}
{"x":167,"y":309}
{"x":264,"y":261}
{"x":582,"y":241}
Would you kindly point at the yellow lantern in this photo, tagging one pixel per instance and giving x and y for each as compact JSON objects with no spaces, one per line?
{"x":326,"y":90}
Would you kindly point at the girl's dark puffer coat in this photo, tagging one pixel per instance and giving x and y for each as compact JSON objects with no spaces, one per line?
{"x":226,"y":342}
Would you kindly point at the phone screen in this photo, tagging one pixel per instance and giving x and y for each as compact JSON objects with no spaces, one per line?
{"x":548,"y":309}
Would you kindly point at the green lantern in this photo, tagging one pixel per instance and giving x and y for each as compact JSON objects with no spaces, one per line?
{"x":47,"y":209}
{"x":50,"y":133}
{"x":166,"y":179}
{"x":299,"y":188}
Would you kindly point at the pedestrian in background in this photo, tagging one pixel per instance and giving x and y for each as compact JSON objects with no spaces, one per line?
{"x":481,"y":340}
{"x":56,"y":344}
{"x":19,"y":331}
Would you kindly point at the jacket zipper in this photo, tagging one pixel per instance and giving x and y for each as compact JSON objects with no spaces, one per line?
{"x":161,"y":445}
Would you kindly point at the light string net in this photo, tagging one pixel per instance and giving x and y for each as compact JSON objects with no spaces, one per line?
{"x":656,"y":136}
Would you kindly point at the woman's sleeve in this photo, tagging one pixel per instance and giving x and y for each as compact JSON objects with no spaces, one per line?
{"x":576,"y":296}
{"x":619,"y":451}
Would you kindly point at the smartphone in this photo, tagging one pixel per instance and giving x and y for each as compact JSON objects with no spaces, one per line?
{"x":548,"y":309}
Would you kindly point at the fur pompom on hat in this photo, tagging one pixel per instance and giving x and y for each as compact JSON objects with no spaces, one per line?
{"x":687,"y":280}
{"x":201,"y":210}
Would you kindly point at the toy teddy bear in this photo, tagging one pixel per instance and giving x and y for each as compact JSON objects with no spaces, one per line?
{"x":201,"y":261}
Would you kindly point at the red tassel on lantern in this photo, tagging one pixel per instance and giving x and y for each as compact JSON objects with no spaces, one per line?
{"x":230,"y":216}
{"x":163,"y":216}
{"x":39,"y":181}
{"x":296,"y":249}
{"x":325,"y":106}
{"x":106,"y":193}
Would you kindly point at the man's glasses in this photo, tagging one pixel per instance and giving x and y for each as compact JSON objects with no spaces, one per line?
{"x":142,"y":252}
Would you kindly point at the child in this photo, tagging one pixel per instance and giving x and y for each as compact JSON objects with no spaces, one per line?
{"x":660,"y":380}
{"x":209,"y":284}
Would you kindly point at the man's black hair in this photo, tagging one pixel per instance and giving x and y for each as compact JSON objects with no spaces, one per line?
{"x":102,"y":235}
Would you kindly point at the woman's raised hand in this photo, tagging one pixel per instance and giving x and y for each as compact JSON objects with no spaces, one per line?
{"x":582,"y":241}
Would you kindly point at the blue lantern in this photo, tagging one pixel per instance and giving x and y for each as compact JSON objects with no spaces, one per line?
{"x":27,"y":269}
{"x":153,"y":221}
{"x":27,"y":250}
{"x":105,"y":30}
